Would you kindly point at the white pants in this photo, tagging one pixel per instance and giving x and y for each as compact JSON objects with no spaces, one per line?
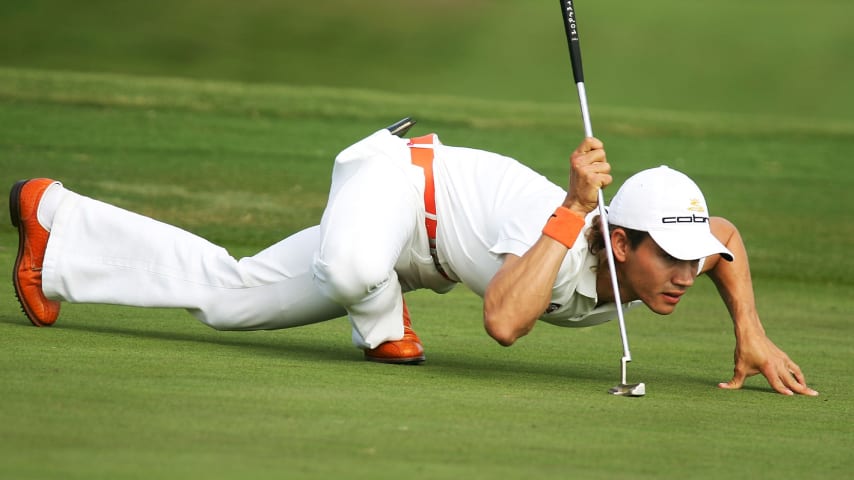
{"x":370,"y":241}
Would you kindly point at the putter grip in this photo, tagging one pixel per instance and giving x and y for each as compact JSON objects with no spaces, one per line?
{"x":570,"y":25}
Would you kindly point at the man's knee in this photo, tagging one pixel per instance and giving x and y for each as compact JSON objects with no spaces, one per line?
{"x":350,"y":281}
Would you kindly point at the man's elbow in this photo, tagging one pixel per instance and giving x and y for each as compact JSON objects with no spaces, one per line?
{"x":503,"y":336}
{"x":501,"y":329}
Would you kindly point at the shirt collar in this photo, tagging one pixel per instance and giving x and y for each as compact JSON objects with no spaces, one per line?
{"x":587,"y":282}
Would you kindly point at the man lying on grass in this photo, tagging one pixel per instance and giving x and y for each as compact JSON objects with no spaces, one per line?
{"x":405,"y":214}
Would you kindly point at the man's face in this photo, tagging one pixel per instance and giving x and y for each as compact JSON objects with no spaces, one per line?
{"x":659,"y":280}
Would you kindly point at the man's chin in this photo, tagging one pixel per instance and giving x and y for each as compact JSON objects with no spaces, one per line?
{"x":661,"y":309}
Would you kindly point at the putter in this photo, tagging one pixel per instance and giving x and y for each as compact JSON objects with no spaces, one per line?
{"x":400,"y":127}
{"x":571,"y":26}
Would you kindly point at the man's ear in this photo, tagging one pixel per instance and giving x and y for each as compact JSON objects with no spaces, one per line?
{"x":620,"y":244}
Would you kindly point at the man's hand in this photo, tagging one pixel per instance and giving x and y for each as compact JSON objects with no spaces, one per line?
{"x":589,"y":172}
{"x":760,"y":355}
{"x":754,"y":351}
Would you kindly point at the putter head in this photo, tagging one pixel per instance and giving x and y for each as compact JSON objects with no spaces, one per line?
{"x":629,"y":390}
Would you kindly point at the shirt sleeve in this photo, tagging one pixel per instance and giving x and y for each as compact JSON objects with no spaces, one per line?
{"x":524,"y":219}
{"x":521,"y":230}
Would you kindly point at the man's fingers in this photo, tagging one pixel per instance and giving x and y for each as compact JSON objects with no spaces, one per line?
{"x":801,"y":388}
{"x":796,"y":382}
{"x":736,"y":382}
{"x":589,"y":172}
{"x":587,"y":158}
{"x":787,"y":378}
{"x":795,"y":371}
{"x":590,"y":144}
{"x":591,"y":164}
{"x":790,"y":382}
{"x":603,"y":180}
{"x":776,"y":380}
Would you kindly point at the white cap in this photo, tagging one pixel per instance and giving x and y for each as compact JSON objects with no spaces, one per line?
{"x":671,"y":208}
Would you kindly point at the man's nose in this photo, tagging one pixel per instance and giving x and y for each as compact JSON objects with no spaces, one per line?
{"x":686,"y":272}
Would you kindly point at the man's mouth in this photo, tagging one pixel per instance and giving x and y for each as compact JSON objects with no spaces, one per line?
{"x":672,"y":297}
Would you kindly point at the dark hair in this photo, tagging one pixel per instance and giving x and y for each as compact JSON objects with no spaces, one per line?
{"x":596,"y":243}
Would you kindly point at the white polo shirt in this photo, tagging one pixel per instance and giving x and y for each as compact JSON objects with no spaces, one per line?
{"x":489,"y":205}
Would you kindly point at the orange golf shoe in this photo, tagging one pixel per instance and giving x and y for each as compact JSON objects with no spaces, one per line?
{"x":407,"y":350}
{"x":32,"y":242}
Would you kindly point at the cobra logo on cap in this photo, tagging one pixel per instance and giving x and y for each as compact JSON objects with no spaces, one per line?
{"x":697,"y":206}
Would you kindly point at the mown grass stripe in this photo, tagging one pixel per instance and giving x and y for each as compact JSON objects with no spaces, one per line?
{"x":284,"y":101}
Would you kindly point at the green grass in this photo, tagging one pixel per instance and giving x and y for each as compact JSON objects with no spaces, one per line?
{"x":114,"y":392}
{"x":781,"y":57}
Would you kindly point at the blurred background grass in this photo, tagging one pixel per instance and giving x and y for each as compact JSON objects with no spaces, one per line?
{"x":778,"y":57}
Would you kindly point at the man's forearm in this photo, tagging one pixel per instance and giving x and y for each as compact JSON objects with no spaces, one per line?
{"x":733,"y":280}
{"x":521,"y":290}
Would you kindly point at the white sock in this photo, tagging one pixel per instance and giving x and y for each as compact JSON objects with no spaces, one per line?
{"x":51,"y":198}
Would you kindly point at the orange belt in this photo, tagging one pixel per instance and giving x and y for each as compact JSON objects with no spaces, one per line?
{"x":423,"y":157}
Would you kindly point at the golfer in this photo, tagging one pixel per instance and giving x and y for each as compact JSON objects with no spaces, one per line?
{"x":405,"y":214}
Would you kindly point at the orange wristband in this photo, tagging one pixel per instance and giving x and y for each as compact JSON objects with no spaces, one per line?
{"x":564,"y":226}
